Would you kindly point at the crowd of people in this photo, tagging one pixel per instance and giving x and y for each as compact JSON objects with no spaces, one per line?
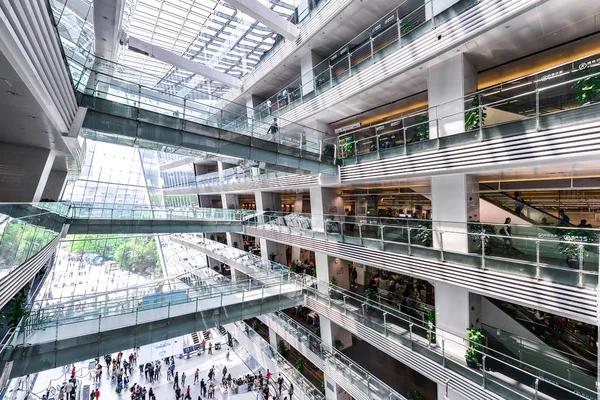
{"x":119,"y":370}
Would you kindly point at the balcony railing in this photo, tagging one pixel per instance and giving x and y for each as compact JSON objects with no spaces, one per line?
{"x":553,"y":253}
{"x":539,"y":102}
{"x":366,"y":48}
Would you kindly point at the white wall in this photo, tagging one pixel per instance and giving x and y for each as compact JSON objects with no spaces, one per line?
{"x":492,"y":214}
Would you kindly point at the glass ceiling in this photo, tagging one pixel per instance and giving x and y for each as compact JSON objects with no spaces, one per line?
{"x":210,"y":32}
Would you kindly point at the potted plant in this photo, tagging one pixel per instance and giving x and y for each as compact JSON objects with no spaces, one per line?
{"x":572,"y":250}
{"x":424,"y":235}
{"x":272,"y":256}
{"x":338,"y":344}
{"x":349,"y":148}
{"x":406,"y":26}
{"x":474,"y":337}
{"x":472,"y":119}
{"x":281,"y":348}
{"x":480,"y":237}
{"x":328,"y":151}
{"x":300,"y":364}
{"x":370,"y":295}
{"x":588,"y":89}
{"x":422,"y":129}
{"x":415,"y":395}
{"x":294,"y":266}
{"x":255,"y":326}
{"x":235,"y":244}
{"x":430,"y":325}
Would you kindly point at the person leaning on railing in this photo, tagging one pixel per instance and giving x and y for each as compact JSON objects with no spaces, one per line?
{"x":507,"y":242}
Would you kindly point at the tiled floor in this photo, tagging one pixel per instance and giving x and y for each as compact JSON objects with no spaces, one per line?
{"x":163,"y":389}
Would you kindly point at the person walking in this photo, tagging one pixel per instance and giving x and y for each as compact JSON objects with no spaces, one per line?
{"x":183,"y":379}
{"x":97,"y":394}
{"x":507,"y":242}
{"x":291,"y":390}
{"x":210,"y":348}
{"x":224,"y":371}
{"x":274,"y":128}
{"x":176,"y":380}
{"x":280,"y":383}
{"x":196,"y":375}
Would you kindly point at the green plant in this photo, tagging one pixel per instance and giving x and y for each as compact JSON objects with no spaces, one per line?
{"x":566,"y":238}
{"x":415,"y":395}
{"x":300,"y":364}
{"x":320,"y":81}
{"x":407,"y":26}
{"x":328,"y":151}
{"x":294,"y":266}
{"x":424,"y":234}
{"x":474,"y":338}
{"x":255,"y":326}
{"x":349,"y":147}
{"x":588,"y":89}
{"x":482,"y":231}
{"x":332,"y":284}
{"x":272,"y":256}
{"x":281,"y":348}
{"x":16,"y":311}
{"x":472,"y":120}
{"x":370,"y":295}
{"x":430,"y":324}
{"x":235,"y":244}
{"x":422,"y":129}
{"x":338,"y":344}
{"x":313,"y":272}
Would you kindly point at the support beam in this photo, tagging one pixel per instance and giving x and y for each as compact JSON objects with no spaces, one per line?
{"x":163,"y":55}
{"x":266,"y":16}
{"x":108,"y":15}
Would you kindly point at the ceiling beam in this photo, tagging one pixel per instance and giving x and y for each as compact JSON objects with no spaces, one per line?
{"x":166,"y":56}
{"x":266,"y":16}
{"x":108,"y":15}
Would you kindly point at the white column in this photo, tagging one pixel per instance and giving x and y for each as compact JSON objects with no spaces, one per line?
{"x":297,"y":209}
{"x":265,"y":202}
{"x":324,"y":201}
{"x":447,"y":83}
{"x":252,"y":102}
{"x":454,"y":202}
{"x":332,"y":334}
{"x":25,"y":172}
{"x":273,"y":339}
{"x":307,"y":63}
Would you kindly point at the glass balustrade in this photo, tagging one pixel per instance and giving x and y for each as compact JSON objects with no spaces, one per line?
{"x":554,"y":253}
{"x":134,"y":212}
{"x":105,"y":305}
{"x":369,"y":384}
{"x":112,"y":88}
{"x":395,"y":31}
{"x":408,"y":328}
{"x":528,"y":104}
{"x":302,"y":385}
{"x":25,"y":229}
{"x":230,"y":176}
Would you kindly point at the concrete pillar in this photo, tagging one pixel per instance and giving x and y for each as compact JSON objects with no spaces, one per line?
{"x":307,"y":64}
{"x":456,"y":310}
{"x":324,"y":201}
{"x":252,"y":102}
{"x":447,"y":83}
{"x":332,"y":267}
{"x":24,"y":172}
{"x":454,"y":202}
{"x":55,"y":185}
{"x":273,"y":339}
{"x":333,"y":335}
{"x":297,"y":209}
{"x":265,"y":202}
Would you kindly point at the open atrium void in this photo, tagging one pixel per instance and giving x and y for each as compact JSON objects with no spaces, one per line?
{"x":299,"y":199}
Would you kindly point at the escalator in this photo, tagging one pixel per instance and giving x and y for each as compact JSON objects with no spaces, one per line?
{"x":508,"y":203}
{"x":568,"y":345}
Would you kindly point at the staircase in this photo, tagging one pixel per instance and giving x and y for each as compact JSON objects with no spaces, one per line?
{"x":196,"y":338}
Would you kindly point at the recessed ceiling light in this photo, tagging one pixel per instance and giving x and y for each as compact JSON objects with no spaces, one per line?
{"x":105,"y":17}
{"x":507,"y":26}
{"x":13,"y":93}
{"x":31,"y":116}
